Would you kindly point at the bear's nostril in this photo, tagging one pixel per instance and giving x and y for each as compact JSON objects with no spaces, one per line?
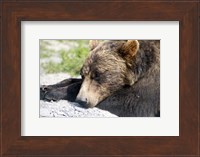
{"x":82,"y":103}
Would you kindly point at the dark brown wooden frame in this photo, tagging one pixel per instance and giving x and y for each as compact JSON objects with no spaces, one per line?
{"x":15,"y":11}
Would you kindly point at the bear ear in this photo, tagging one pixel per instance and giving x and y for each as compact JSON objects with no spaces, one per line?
{"x":93,"y":44}
{"x":130,"y":49}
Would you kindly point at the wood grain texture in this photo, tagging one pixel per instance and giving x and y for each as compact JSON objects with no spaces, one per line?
{"x":199,"y":79}
{"x":0,"y":70}
{"x":16,"y":11}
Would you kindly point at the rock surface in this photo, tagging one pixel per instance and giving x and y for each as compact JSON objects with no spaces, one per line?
{"x":64,"y":108}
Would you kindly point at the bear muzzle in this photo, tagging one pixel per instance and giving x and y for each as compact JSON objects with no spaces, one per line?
{"x":82,"y":102}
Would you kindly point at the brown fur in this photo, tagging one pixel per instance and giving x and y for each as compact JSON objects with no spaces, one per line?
{"x":112,"y":65}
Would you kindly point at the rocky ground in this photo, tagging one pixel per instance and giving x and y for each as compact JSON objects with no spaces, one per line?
{"x":65,"y":108}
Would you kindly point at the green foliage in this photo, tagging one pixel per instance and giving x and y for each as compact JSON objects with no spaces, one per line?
{"x":71,"y":60}
{"x":44,"y":51}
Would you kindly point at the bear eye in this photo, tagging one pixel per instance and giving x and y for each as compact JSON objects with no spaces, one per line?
{"x":81,"y":73}
{"x":83,"y":77}
{"x":95,"y":76}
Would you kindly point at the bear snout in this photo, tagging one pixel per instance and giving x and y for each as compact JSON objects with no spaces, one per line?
{"x":82,"y":102}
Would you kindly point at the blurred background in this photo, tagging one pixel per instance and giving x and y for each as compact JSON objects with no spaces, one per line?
{"x":63,"y":56}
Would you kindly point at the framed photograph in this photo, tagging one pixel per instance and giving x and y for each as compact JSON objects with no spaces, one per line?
{"x":127,"y":90}
{"x":79,"y":73}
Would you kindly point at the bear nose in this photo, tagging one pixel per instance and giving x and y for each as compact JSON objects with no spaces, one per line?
{"x":83,"y":103}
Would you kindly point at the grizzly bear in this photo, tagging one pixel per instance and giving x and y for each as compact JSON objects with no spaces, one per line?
{"x":120,"y":76}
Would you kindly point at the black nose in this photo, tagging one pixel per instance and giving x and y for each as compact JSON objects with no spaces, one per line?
{"x":82,"y":103}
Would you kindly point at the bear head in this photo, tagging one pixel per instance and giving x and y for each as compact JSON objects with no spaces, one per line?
{"x":107,"y":69}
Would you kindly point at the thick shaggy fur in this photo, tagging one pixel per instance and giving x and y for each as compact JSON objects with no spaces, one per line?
{"x":142,"y":99}
{"x":112,"y":65}
{"x":122,"y":77}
